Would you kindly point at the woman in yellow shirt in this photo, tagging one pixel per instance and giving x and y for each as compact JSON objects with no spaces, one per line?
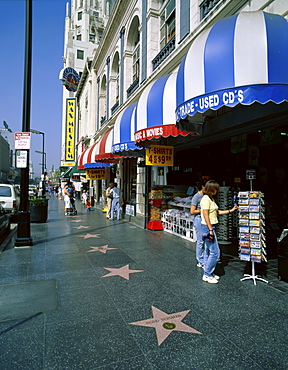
{"x":209,"y":221}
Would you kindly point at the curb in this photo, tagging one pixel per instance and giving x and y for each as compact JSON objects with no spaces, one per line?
{"x":9,"y":237}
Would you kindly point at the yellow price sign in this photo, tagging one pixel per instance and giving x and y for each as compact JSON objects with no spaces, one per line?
{"x":159,"y":155}
{"x":95,"y":174}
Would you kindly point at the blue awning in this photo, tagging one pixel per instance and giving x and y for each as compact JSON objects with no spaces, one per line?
{"x":155,"y":115}
{"x":240,"y":60}
{"x":123,"y":131}
{"x":96,"y":165}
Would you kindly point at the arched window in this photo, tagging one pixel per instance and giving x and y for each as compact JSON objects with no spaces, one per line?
{"x":102,"y":100}
{"x":115,"y":83}
{"x":133,"y":52}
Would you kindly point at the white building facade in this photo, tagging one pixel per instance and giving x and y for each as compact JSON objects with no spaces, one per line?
{"x":144,"y":41}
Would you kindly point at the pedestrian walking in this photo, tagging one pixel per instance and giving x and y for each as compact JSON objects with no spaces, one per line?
{"x":60,"y":192}
{"x":209,"y":221}
{"x":84,"y":197}
{"x":67,"y":193}
{"x":196,"y":212}
{"x":117,"y":198}
{"x":109,"y":197}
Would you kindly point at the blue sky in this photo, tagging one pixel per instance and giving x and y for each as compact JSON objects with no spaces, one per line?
{"x":46,"y":94}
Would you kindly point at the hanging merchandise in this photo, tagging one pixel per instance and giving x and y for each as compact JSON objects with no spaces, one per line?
{"x":179,"y":223}
{"x":252,"y":246}
{"x":224,"y":201}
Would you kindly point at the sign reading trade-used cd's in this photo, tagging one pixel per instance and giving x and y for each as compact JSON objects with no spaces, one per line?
{"x":159,"y":155}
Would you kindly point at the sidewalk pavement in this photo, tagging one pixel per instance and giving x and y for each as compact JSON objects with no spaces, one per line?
{"x":98,"y":294}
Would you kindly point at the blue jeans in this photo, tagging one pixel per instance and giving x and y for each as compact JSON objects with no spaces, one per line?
{"x":199,"y":241}
{"x":212,"y":252}
{"x":115,"y":207}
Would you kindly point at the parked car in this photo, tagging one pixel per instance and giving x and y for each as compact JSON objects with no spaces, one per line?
{"x":10,"y":198}
{"x":4,"y":221}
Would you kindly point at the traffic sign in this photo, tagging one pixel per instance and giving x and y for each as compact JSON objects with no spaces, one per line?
{"x":22,"y":140}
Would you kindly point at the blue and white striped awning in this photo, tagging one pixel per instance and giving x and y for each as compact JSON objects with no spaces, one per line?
{"x":123,"y":131}
{"x":242,"y":59}
{"x":155,"y":116}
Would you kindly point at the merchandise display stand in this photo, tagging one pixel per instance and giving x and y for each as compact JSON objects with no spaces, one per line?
{"x":155,"y":201}
{"x":252,"y":247}
{"x":253,"y":276}
{"x":224,"y":228}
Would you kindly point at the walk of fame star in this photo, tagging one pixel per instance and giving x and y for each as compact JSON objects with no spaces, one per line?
{"x":165,"y":323}
{"x":89,"y":236}
{"x":81,"y":227}
{"x":122,"y":271}
{"x":102,"y":249}
{"x":76,"y":220}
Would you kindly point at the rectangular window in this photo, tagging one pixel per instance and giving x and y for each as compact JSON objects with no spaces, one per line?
{"x":80,"y":54}
{"x":136,"y":62}
{"x":79,"y":16}
{"x":79,"y":37}
{"x":167,"y":23}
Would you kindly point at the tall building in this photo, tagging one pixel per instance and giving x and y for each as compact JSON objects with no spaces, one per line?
{"x":84,"y":25}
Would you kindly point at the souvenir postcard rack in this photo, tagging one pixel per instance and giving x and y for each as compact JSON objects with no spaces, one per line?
{"x":252,"y":246}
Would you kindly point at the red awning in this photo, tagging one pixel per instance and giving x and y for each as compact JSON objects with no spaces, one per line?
{"x":156,"y":132}
{"x":87,"y":156}
{"x":104,"y":149}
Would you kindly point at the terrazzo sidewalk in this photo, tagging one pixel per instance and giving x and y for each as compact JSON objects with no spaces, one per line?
{"x":98,"y":294}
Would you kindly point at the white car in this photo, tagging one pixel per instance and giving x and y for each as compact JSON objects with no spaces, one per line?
{"x":9,"y":198}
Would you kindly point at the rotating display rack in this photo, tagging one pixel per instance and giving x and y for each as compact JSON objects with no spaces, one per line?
{"x":252,"y":246}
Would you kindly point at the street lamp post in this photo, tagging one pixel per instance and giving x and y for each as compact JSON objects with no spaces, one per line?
{"x":43,"y":164}
{"x":43,"y":159}
{"x":23,"y":230}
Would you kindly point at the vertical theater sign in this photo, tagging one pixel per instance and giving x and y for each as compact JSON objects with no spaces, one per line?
{"x":70,"y":131}
{"x":70,"y":79}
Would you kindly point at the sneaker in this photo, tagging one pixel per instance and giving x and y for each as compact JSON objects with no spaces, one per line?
{"x":111,"y":218}
{"x":200,"y":265}
{"x":216,"y":277}
{"x":210,"y":279}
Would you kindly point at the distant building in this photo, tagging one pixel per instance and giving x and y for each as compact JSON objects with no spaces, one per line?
{"x":84,"y":26}
{"x":4,"y":159}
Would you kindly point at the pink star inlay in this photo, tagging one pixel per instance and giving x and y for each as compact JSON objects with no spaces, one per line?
{"x":81,"y":227}
{"x":76,"y":220}
{"x":89,"y":236}
{"x":165,"y":323}
{"x":102,"y":249}
{"x":122,"y":271}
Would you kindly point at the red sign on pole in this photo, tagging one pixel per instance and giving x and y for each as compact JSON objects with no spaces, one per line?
{"x":22,"y":140}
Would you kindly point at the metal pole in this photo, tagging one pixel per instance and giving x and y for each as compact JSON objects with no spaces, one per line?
{"x":43,"y":168}
{"x":23,"y":230}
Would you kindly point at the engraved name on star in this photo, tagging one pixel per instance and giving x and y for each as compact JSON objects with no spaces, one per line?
{"x":87,"y":236}
{"x":122,"y":271}
{"x":165,"y":323}
{"x":102,"y":249}
{"x":81,"y":227}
